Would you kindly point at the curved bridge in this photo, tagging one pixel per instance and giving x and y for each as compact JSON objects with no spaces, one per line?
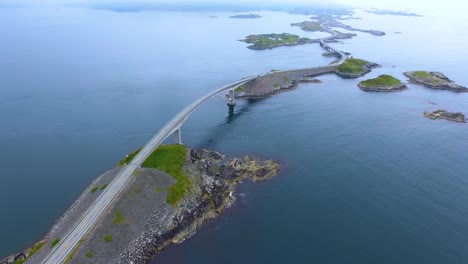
{"x":91,"y":216}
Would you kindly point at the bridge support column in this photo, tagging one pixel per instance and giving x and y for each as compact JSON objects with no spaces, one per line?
{"x":231,"y":102}
{"x":178,"y":136}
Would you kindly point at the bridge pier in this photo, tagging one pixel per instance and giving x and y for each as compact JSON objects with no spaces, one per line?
{"x":231,"y":102}
{"x":178,"y":136}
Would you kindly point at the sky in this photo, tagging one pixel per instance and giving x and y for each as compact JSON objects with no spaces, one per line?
{"x":400,"y":5}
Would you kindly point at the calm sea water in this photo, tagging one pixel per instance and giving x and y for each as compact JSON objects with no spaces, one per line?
{"x":366,"y":178}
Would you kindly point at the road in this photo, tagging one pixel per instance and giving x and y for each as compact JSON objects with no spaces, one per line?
{"x":98,"y":208}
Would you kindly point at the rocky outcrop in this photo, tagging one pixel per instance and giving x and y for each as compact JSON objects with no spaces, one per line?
{"x":210,"y":195}
{"x":382,"y":88}
{"x":434,"y":80}
{"x":442,"y":114}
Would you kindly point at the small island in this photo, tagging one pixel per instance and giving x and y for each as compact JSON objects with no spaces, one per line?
{"x":383,"y":83}
{"x":270,"y":41}
{"x":354,"y":68}
{"x":434,"y":80}
{"x":309,"y":26}
{"x":392,"y":13}
{"x":442,"y":114}
{"x":251,"y":16}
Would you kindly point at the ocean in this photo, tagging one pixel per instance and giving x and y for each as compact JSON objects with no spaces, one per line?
{"x":365,"y":177}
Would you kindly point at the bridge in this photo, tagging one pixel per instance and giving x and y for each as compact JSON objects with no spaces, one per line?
{"x":173,"y":128}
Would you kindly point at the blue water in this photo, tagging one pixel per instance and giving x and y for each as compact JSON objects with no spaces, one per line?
{"x":366,"y":178}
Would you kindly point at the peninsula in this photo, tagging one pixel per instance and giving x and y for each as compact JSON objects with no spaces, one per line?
{"x":442,"y":114}
{"x":434,"y":80}
{"x":175,"y":191}
{"x":383,"y":83}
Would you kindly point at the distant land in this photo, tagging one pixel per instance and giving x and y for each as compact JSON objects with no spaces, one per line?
{"x":246,"y":16}
{"x":392,"y":13}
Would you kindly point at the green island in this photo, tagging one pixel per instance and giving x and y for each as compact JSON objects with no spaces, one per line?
{"x":353,"y":68}
{"x":383,"y":83}
{"x":273,"y":40}
{"x":434,"y":80}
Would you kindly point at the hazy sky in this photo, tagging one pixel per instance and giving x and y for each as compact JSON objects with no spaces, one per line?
{"x":425,"y":5}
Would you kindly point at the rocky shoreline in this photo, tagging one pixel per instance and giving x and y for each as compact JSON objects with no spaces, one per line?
{"x":147,"y":223}
{"x":434,"y":80}
{"x":442,"y":114}
{"x":382,"y":88}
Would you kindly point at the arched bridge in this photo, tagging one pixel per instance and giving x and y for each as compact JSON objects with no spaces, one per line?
{"x":90,"y":217}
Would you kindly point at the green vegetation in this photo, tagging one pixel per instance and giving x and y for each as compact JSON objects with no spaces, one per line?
{"x":427,"y":77}
{"x":89,"y":254}
{"x":119,"y":218}
{"x":128,"y":158}
{"x":73,"y":252}
{"x":108,"y":238}
{"x":104,"y":186}
{"x":158,"y":190}
{"x":36,"y":248}
{"x":355,"y":66}
{"x":277,"y":85}
{"x":94,"y":189}
{"x":54,"y":242}
{"x":382,"y":80}
{"x":33,"y":251}
{"x":170,"y":158}
{"x":422,"y":74}
{"x":238,"y":90}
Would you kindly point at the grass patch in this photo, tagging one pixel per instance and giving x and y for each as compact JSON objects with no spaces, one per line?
{"x":19,"y":261}
{"x":170,"y":158}
{"x":119,"y":218}
{"x":382,"y":80}
{"x":36,"y":248}
{"x":128,"y":158}
{"x":158,"y":190}
{"x":108,"y":238}
{"x":238,"y":90}
{"x":54,"y":242}
{"x":89,"y":254}
{"x":94,"y":189}
{"x":422,"y":74}
{"x":352,"y":66}
{"x":104,"y":186}
{"x":73,"y":252}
